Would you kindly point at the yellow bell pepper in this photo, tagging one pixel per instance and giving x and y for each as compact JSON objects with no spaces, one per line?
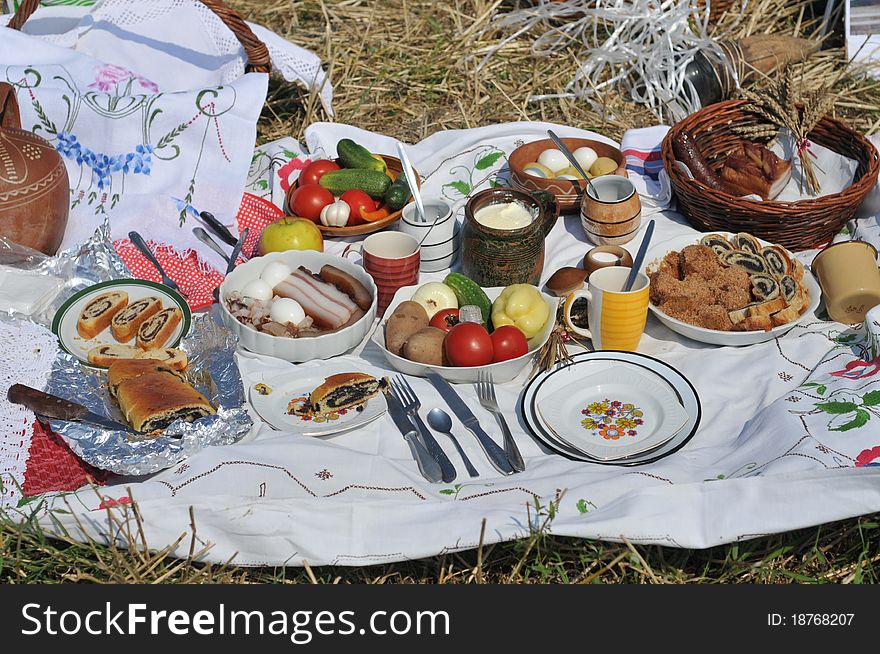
{"x":522,"y":306}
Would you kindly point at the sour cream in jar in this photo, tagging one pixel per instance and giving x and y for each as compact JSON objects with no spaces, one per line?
{"x":504,"y":215}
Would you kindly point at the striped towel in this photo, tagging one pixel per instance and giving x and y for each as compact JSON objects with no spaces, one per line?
{"x":641,"y":147}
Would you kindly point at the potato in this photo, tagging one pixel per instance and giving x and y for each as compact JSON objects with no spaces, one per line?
{"x":408,"y":318}
{"x":426,"y":346}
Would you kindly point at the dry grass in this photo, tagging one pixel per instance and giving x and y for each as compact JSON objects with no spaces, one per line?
{"x":408,"y":68}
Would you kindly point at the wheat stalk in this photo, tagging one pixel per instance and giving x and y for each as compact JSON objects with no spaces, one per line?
{"x":784,"y":102}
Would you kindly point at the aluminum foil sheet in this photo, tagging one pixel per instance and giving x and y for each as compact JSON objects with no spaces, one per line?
{"x":212,"y":370}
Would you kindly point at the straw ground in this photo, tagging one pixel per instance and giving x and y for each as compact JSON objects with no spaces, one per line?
{"x":408,"y":68}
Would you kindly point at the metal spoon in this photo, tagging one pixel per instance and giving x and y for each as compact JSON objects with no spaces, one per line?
{"x":640,"y":258}
{"x":574,"y":162}
{"x":441,"y":422}
{"x":410,"y":175}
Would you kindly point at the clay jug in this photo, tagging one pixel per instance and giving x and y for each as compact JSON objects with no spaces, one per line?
{"x":500,"y":257}
{"x":34,"y":189}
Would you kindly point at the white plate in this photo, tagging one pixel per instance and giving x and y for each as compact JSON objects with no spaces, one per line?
{"x":284,"y":393}
{"x":500,"y":373}
{"x":714,"y":336}
{"x":64,"y":323}
{"x":593,"y":362}
{"x":613,"y":414}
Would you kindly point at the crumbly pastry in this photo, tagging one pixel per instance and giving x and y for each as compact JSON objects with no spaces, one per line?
{"x":730,"y":289}
{"x":106,"y":355}
{"x":126,"y":323}
{"x":156,"y":331}
{"x":344,"y":391}
{"x":99,"y":312}
{"x":171,"y":357}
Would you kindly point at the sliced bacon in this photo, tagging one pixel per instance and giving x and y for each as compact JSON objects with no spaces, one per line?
{"x":324,"y":303}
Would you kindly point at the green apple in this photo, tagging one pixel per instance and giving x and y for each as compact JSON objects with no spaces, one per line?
{"x":291,"y":234}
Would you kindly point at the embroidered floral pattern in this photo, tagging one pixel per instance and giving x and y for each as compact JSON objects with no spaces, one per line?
{"x":612,"y":419}
{"x":869,"y":458}
{"x":109,"y":76}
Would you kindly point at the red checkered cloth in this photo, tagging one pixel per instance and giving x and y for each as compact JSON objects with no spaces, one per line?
{"x":52,"y":466}
{"x":197,"y":278}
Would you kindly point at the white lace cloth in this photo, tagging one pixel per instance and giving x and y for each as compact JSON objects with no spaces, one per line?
{"x":26,"y":355}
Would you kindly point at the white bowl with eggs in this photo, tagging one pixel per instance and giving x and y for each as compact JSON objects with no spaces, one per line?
{"x":501,"y":372}
{"x":306,"y":348}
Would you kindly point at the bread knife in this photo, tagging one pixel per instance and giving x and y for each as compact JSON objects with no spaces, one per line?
{"x":218,"y":228}
{"x":57,"y":408}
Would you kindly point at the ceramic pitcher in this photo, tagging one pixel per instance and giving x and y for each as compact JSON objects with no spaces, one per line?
{"x":34,"y":189}
{"x":500,"y":257}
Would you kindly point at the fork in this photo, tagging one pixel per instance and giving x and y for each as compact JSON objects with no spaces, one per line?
{"x":411,"y":404}
{"x":486,"y":393}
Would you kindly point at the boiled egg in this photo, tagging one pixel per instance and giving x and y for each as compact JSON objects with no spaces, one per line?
{"x":275,"y":272}
{"x":586,"y":157}
{"x":537,"y":170}
{"x":258,"y":290}
{"x":284,"y":310}
{"x":603,"y":166}
{"x":553,"y":159}
{"x":570,"y":173}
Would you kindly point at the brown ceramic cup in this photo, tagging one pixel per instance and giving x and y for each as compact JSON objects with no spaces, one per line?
{"x":392,"y":259}
{"x":611,"y":212}
{"x":605,"y":256}
{"x":849,"y":279}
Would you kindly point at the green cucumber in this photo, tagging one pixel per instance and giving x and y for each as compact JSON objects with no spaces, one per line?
{"x":469,"y":292}
{"x":352,"y":155}
{"x":372,"y":182}
{"x":398,"y":194}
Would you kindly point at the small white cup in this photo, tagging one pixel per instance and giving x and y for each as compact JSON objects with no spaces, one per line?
{"x":440,"y":233}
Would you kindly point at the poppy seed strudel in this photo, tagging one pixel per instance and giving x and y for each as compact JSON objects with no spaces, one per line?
{"x":126,"y":323}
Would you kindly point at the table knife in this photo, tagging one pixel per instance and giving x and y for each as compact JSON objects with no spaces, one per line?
{"x":233,"y":258}
{"x":429,"y":468}
{"x":493,"y":451}
{"x":218,"y":228}
{"x":57,"y":408}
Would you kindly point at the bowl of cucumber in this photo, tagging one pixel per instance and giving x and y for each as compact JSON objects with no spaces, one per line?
{"x":383,"y":181}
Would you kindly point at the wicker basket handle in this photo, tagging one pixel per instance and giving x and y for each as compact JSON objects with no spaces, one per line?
{"x":256,"y":51}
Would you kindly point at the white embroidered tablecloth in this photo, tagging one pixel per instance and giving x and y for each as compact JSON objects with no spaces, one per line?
{"x":788,"y":436}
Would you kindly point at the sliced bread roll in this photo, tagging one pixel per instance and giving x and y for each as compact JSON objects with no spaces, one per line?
{"x":764,"y":287}
{"x":126,"y":323}
{"x":99,"y":312}
{"x":169,"y":356}
{"x":717,"y":242}
{"x":754,"y":263}
{"x":106,"y":355}
{"x":156,"y":331}
{"x":778,"y":261}
{"x":746,"y":242}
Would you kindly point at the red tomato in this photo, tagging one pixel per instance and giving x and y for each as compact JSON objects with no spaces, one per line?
{"x":468,"y":344}
{"x":308,"y":200}
{"x":315,"y":170}
{"x":445,"y":319}
{"x":359,"y":202}
{"x":508,"y":342}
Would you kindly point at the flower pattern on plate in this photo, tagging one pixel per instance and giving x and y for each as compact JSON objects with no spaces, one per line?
{"x":612,"y":419}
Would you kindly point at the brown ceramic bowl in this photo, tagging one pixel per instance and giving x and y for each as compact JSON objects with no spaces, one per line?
{"x":394,"y":169}
{"x":568,"y":193}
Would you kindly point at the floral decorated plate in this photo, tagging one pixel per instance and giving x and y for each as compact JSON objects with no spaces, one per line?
{"x":613,"y":414}
{"x":279,"y":400}
{"x":588,"y":363}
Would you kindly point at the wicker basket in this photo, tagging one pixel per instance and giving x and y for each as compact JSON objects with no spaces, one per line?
{"x":796,"y":225}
